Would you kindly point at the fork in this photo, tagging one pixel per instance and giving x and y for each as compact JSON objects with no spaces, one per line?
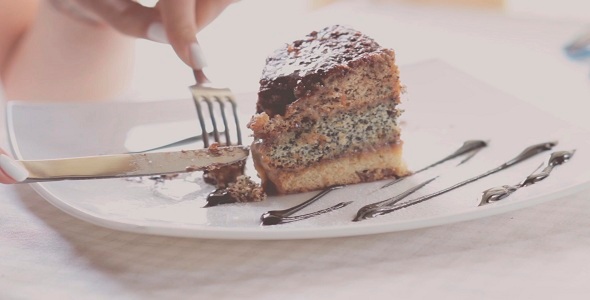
{"x":205,"y":94}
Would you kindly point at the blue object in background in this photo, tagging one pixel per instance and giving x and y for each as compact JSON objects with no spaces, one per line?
{"x":579,"y":48}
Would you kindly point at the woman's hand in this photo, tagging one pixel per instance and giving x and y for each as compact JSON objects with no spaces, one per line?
{"x":171,"y":21}
{"x":11,"y":171}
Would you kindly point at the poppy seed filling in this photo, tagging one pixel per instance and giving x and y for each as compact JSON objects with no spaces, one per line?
{"x":330,"y":138}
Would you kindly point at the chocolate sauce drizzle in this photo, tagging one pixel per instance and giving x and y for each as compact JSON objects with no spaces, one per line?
{"x":525,"y":154}
{"x":218,"y":197}
{"x":274,"y":217}
{"x":274,"y":220}
{"x":390,"y":201}
{"x":498,"y":193}
{"x":468,"y":146}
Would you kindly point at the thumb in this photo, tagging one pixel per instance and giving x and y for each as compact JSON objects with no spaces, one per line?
{"x":11,"y":171}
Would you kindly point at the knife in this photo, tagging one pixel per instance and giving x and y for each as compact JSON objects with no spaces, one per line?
{"x":132,"y":165}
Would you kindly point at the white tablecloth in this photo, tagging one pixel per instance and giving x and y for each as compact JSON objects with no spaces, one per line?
{"x":536,"y":253}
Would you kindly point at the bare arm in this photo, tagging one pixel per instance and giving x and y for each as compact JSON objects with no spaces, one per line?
{"x":48,"y":55}
{"x":60,"y":58}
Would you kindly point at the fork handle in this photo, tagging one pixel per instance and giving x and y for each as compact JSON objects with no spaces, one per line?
{"x":200,"y":77}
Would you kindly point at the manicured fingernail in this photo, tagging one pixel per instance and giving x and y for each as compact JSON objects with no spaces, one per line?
{"x":157,"y":33}
{"x":13,"y":168}
{"x":198,"y":61}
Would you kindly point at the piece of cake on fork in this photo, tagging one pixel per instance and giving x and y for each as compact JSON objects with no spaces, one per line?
{"x":326,"y":113}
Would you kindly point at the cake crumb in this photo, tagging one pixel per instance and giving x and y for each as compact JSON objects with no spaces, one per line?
{"x":214,"y":149}
{"x":244,"y":189}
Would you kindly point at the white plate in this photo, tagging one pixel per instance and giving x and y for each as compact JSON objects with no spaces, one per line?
{"x":444,"y":107}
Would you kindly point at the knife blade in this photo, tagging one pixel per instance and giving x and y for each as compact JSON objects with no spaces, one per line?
{"x":132,"y":165}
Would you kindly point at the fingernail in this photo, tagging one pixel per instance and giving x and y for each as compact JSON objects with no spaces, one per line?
{"x":13,"y":168}
{"x":157,"y":33}
{"x":198,"y":61}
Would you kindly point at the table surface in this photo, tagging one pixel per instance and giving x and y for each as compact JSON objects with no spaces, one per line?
{"x":539,"y":252}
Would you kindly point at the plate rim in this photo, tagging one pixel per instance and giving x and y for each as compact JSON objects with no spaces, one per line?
{"x":222,"y":233}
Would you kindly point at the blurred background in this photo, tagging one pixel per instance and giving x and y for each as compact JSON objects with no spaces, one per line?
{"x":514,"y":45}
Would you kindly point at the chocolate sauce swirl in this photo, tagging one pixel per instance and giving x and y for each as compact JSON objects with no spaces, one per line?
{"x":274,"y":217}
{"x":498,"y":193}
{"x":525,"y":154}
{"x":468,"y":146}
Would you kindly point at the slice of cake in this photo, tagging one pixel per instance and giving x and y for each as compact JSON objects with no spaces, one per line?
{"x":326,"y":113}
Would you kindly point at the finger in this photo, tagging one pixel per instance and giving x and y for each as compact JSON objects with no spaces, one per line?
{"x":125,"y":16}
{"x":75,"y":11}
{"x":11,"y":171}
{"x":208,"y":10}
{"x":178,"y":17}
{"x":6,"y":179}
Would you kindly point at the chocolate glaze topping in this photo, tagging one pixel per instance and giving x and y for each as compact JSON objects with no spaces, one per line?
{"x":299,"y":67}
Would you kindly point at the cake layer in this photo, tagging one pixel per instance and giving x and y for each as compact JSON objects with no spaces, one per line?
{"x":334,"y":135}
{"x":304,"y":67}
{"x":377,"y":164}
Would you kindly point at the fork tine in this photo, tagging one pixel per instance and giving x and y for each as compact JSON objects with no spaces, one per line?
{"x":224,"y":118}
{"x":236,"y":119}
{"x":213,"y":119}
{"x":204,"y":133}
{"x":204,"y":91}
